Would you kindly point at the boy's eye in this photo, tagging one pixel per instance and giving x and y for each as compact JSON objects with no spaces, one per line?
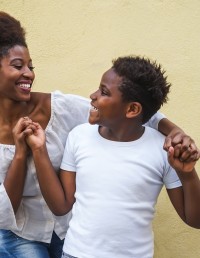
{"x":103,"y":92}
{"x":31,"y":68}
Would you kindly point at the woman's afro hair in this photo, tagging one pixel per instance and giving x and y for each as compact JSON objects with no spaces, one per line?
{"x":11,"y":33}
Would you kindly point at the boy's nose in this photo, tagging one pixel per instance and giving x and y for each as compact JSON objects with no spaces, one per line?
{"x":93,"y":96}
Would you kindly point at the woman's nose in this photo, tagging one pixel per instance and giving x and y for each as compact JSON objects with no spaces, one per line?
{"x":28,"y":73}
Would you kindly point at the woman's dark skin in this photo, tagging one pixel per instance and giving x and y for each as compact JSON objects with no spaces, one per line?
{"x":17,"y":102}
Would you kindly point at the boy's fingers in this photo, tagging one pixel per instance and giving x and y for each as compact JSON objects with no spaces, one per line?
{"x":177,"y":150}
{"x":28,"y":132}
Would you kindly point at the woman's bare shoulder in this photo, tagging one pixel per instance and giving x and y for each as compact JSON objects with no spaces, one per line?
{"x":40,"y":98}
{"x":41,"y":107}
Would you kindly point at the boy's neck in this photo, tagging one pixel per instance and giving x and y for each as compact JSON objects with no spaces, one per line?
{"x":130,"y":134}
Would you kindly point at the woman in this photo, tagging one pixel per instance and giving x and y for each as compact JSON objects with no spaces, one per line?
{"x":28,"y":227}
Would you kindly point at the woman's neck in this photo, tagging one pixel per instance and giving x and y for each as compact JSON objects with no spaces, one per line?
{"x":12,"y":111}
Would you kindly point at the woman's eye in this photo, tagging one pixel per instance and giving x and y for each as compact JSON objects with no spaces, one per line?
{"x":18,"y":67}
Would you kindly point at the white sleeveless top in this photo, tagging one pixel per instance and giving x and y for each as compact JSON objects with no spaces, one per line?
{"x":34,"y":220}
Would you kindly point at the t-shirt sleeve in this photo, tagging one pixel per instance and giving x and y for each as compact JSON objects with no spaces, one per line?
{"x":68,"y":161}
{"x":171,"y":179}
{"x":155,"y":119}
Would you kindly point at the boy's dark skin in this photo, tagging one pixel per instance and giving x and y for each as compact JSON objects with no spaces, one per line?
{"x":119,"y":120}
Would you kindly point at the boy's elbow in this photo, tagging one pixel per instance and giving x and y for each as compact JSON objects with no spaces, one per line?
{"x":59,"y":213}
{"x":62,"y":210}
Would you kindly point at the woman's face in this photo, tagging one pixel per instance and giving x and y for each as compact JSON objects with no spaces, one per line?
{"x":16,"y":74}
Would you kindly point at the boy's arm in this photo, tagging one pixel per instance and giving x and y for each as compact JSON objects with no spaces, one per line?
{"x":58,"y":193}
{"x":185,"y":199}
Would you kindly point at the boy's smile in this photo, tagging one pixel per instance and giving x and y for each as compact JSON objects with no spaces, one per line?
{"x":108,"y":108}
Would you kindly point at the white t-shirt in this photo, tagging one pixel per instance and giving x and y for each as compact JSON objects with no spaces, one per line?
{"x":34,"y":220}
{"x":117,"y":185}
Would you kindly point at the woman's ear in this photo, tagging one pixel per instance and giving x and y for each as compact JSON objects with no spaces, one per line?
{"x":134,"y":109}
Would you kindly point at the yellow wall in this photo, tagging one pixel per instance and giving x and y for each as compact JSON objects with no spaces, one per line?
{"x":72,"y":44}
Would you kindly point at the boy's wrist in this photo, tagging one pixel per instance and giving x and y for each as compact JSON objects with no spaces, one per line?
{"x":39,"y":150}
{"x":187,"y":175}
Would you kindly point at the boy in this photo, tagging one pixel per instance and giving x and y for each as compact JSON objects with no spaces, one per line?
{"x":113,"y":170}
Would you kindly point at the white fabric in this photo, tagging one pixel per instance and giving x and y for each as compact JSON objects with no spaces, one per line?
{"x":154,"y":121}
{"x":34,"y":220}
{"x":6,"y":212}
{"x":117,"y":185}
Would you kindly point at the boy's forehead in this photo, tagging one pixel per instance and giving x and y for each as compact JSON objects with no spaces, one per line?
{"x":111,"y":76}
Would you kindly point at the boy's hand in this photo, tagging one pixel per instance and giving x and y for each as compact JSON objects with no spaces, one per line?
{"x":177,"y":163}
{"x":36,"y":139}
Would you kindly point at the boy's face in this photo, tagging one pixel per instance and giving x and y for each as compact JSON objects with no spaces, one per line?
{"x":108,"y":108}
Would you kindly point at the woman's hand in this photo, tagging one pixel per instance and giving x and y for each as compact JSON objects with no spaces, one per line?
{"x":20,"y":131}
{"x":186,"y":148}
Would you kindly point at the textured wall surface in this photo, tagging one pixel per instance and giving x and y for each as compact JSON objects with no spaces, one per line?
{"x":73,"y":42}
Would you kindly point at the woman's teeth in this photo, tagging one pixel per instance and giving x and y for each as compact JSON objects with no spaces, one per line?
{"x":26,"y":86}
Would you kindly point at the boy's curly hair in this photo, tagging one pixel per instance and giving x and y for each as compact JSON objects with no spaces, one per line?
{"x":143,"y":81}
{"x":11,"y":34}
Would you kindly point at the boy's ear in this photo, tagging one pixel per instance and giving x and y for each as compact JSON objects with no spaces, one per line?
{"x":134,"y":109}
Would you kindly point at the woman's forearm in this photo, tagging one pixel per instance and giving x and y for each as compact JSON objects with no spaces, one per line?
{"x":14,"y":180}
{"x":165,"y":126}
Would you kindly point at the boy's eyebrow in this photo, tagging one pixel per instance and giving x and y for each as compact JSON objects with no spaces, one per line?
{"x":103,"y":86}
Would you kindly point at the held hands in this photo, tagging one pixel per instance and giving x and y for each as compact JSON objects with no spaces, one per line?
{"x":183,"y":145}
{"x":184,"y":166}
{"x":21,"y":130}
{"x":27,"y":133}
{"x":36,"y":140}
